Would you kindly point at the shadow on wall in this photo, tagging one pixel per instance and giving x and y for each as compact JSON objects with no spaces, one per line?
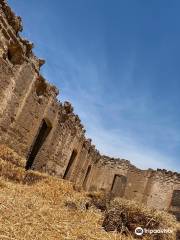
{"x":70,"y":164}
{"x":41,"y":136}
{"x":118,"y":185}
{"x":86,"y":177}
{"x":175,"y":204}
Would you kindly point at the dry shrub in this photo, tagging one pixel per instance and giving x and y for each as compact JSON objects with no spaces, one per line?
{"x":11,"y":156}
{"x":100,"y":200}
{"x":71,"y":205}
{"x":18,"y":174}
{"x":125,"y":216}
{"x":10,"y":171}
{"x":77,"y":188}
{"x":32,"y":177}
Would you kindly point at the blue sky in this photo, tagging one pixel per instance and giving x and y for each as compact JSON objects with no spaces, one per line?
{"x":118,"y":62}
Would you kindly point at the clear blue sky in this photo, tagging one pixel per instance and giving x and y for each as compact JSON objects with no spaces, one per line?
{"x":118,"y":62}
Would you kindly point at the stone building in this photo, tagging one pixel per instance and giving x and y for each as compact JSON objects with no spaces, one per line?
{"x":51,"y":136}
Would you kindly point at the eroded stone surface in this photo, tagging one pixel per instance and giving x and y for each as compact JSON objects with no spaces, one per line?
{"x":27,"y":99}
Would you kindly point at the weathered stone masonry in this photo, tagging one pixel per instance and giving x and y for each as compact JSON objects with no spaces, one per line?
{"x":51,"y":137}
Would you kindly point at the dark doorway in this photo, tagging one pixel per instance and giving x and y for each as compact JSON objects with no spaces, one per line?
{"x":175,"y":204}
{"x":118,"y":185}
{"x":69,"y":166}
{"x":176,"y":198}
{"x":178,"y":235}
{"x":87,"y":176}
{"x":43,"y":132}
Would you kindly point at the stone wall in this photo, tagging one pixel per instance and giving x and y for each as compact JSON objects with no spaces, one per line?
{"x":51,"y":136}
{"x":149,"y":187}
{"x":27,"y":99}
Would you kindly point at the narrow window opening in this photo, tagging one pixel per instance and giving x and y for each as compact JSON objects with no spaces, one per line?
{"x":69,"y":166}
{"x":43,"y":132}
{"x":87,"y":176}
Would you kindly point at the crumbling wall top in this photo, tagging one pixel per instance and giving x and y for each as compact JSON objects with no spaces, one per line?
{"x":110,"y":161}
{"x":168,"y":174}
{"x":14,"y":21}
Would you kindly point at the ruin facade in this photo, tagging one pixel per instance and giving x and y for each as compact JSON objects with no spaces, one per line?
{"x":51,"y":136}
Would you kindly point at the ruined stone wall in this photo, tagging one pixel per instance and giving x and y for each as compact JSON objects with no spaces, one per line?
{"x":104,"y":172}
{"x":152,"y":188}
{"x":26,"y":98}
{"x":50,"y":135}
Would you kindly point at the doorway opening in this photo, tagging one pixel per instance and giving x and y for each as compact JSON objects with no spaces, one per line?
{"x":42,"y":134}
{"x":87,"y":176}
{"x":118,"y":185}
{"x":175,"y":204}
{"x":69,"y":166}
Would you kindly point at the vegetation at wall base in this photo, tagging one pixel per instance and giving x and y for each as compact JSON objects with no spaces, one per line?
{"x":36,"y":206}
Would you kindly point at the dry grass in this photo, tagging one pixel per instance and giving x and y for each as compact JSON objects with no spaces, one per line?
{"x":132,"y":215}
{"x":36,"y":206}
{"x":10,"y":156}
{"x":39,"y":211}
